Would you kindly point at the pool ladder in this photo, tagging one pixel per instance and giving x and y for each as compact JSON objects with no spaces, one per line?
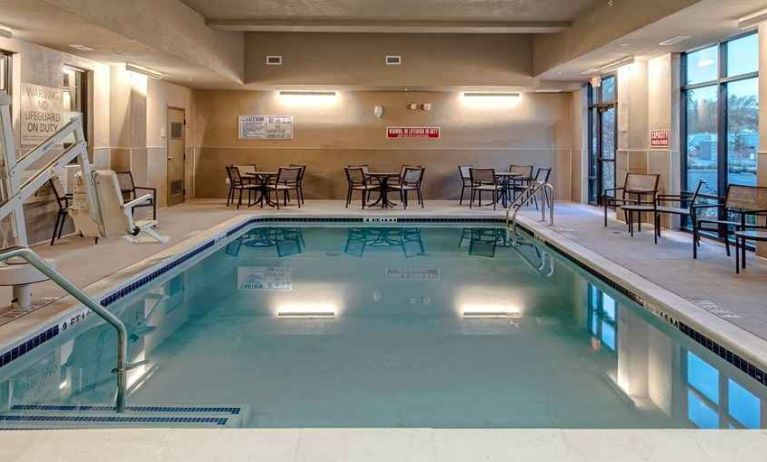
{"x":122,"y":334}
{"x":540,"y":188}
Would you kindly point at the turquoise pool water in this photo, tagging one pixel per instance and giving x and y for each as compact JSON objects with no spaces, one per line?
{"x":394,"y":327}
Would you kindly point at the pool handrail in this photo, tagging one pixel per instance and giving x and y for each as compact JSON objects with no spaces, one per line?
{"x":59,"y":279}
{"x":546,"y":191}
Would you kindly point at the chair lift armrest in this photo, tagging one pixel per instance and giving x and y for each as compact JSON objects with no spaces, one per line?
{"x":138,"y":201}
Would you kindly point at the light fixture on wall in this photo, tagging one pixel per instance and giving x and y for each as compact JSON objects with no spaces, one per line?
{"x":752,"y":19}
{"x":491,"y":98}
{"x":308,"y":98}
{"x":306,"y":93}
{"x":144,"y":71}
{"x":614,"y":65}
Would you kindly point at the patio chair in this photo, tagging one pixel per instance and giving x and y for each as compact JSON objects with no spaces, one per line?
{"x":684,"y":203}
{"x":237,"y":184}
{"x":740,"y":200}
{"x":637,"y":197}
{"x":286,"y":180}
{"x":410,"y":180}
{"x":300,"y":191}
{"x":521,"y":182}
{"x":129,"y":191}
{"x":63,"y":201}
{"x":542,"y":175}
{"x":358,"y":181}
{"x":484,"y":180}
{"x":750,"y":233}
{"x":463,"y":171}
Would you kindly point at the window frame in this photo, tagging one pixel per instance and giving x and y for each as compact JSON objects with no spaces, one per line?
{"x":721,"y":82}
{"x":596,"y":103}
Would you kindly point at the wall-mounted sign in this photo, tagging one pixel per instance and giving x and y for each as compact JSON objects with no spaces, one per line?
{"x":659,"y":138}
{"x":266,"y":127}
{"x":41,"y":113}
{"x":265,"y":278}
{"x":431,"y":133}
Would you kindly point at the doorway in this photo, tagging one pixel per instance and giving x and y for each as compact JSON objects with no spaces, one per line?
{"x":176,"y":155}
{"x":603,"y":127}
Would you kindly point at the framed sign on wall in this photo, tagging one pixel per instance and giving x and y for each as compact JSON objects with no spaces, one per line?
{"x":42,"y":112}
{"x":659,"y":138}
{"x":266,"y":127}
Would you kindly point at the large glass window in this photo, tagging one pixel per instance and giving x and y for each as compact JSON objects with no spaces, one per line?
{"x":6,"y":59}
{"x":76,"y":98}
{"x":721,"y":115}
{"x":603,"y":102}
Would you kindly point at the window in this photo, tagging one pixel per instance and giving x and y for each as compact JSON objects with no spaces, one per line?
{"x":721,"y":114}
{"x":603,"y":129}
{"x":602,"y":317}
{"x":6,"y":76}
{"x":76,"y":96}
{"x":707,"y":392}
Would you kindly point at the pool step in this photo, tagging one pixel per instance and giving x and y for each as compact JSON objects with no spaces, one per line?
{"x":39,"y":416}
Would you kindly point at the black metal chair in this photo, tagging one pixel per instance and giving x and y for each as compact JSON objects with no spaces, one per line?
{"x":410,"y":180}
{"x":130,"y":191}
{"x":740,"y":200}
{"x":285,"y":181}
{"x":637,"y":197}
{"x":463,"y":171}
{"x":484,"y":180}
{"x":358,"y":181}
{"x":684,"y":201}
{"x":522,"y":181}
{"x":62,"y":199}
{"x":300,"y":190}
{"x":542,"y":175}
{"x":236,"y":184}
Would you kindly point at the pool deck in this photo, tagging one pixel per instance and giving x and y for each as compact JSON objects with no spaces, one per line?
{"x":709,"y":282}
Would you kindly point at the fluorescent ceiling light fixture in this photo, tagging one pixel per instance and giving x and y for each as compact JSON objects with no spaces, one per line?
{"x":307,"y":310}
{"x":491,"y":95}
{"x":675,"y":40}
{"x":6,"y":31}
{"x":144,"y":70}
{"x":81,"y":47}
{"x":306,"y":93}
{"x":548,"y":90}
{"x":752,"y":19}
{"x":489,"y":311}
{"x":616,"y":64}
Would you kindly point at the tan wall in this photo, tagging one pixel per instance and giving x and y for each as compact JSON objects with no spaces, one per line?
{"x":537,"y":131}
{"x":357,"y":60}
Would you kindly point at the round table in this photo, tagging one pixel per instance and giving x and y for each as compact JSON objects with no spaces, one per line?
{"x":506,"y":179}
{"x":263,"y":180}
{"x":383,"y":181}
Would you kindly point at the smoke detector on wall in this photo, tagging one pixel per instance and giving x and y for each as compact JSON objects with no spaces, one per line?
{"x":274,"y":60}
{"x":393,"y":60}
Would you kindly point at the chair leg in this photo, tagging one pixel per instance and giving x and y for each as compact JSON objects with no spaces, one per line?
{"x":348,"y":196}
{"x":239,"y":202}
{"x":55,"y":228}
{"x":420,"y":196}
{"x":61,"y":226}
{"x":460,"y":201}
{"x":657,"y":228}
{"x":605,"y":203}
{"x":737,"y":256}
{"x":727,"y":243}
{"x":471,"y":199}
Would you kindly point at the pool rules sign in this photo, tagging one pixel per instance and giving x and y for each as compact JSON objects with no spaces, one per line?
{"x":41,"y":113}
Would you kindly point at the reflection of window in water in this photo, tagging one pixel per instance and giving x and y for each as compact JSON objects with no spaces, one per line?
{"x":285,"y":241}
{"x":407,"y":240}
{"x":717,"y":401}
{"x":483,"y":241}
{"x":602,"y":316}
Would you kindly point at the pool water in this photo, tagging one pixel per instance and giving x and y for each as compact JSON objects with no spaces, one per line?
{"x":395,"y":327}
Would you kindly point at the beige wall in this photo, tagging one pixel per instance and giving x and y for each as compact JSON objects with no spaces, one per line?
{"x":537,"y":130}
{"x":357,"y":60}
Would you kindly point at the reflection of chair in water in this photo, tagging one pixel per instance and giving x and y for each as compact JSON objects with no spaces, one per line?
{"x":484,"y":241}
{"x":286,"y":241}
{"x":408,"y":240}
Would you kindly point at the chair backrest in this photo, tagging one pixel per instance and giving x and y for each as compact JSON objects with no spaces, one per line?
{"x":288,"y":175}
{"x":355,"y":175}
{"x":525,"y":171}
{"x":58,"y":191}
{"x":301,"y":173}
{"x":696,"y":193}
{"x":412,"y":175}
{"x":234,"y":176}
{"x":464,"y":171}
{"x":127,"y":186}
{"x":115,"y":220}
{"x":543,"y":174}
{"x":482,"y":175}
{"x":746,"y":198}
{"x":641,"y":183}
{"x":243,"y":170}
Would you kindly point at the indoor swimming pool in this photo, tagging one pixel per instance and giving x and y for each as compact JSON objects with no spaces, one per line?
{"x":389,"y":325}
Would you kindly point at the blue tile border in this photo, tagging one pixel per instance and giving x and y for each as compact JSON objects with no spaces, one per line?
{"x":100,"y":419}
{"x":24,"y":347}
{"x":105,"y":408}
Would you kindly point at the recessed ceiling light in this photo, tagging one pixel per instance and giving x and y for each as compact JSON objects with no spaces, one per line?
{"x":674,"y":40}
{"x":81,"y":47}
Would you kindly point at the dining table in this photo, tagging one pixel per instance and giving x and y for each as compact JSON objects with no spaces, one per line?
{"x":383,"y":180}
{"x":261,"y":179}
{"x":506,"y":179}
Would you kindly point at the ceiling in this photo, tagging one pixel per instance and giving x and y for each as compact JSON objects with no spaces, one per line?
{"x":497,"y":10}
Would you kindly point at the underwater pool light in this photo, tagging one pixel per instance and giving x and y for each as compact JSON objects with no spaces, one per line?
{"x":489,"y":311}
{"x":307,"y":311}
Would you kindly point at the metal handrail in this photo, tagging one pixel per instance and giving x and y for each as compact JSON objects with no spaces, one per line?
{"x":546,"y":191}
{"x":122,"y":334}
